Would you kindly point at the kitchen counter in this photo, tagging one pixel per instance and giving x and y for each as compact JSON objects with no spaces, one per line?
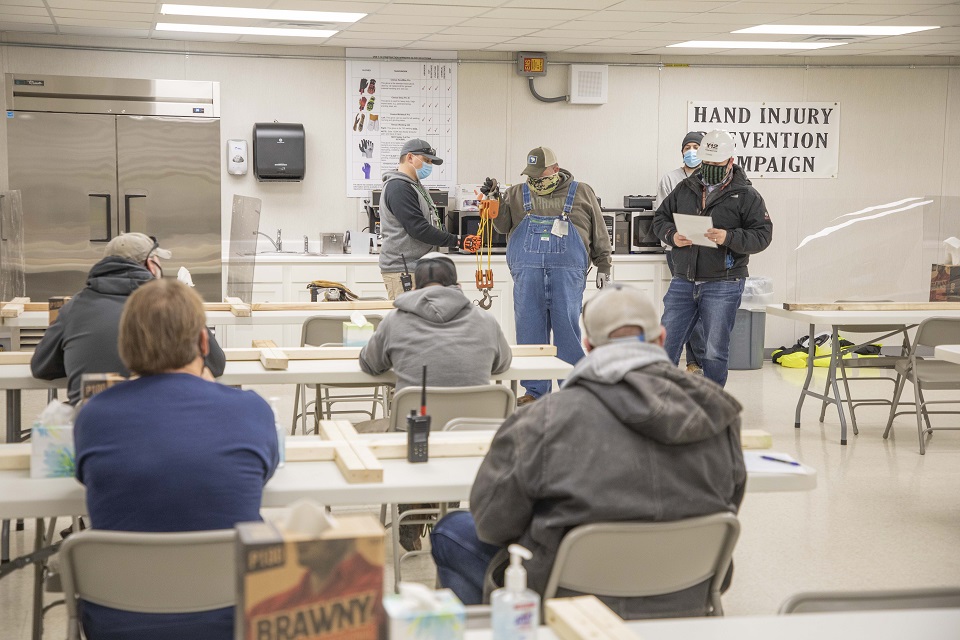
{"x":301,"y":258}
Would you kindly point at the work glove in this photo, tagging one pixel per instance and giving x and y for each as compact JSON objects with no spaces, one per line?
{"x":487,"y":186}
{"x":603,"y":279}
{"x":366,"y":148}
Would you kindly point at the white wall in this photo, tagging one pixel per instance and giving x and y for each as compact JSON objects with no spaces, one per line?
{"x":900,"y":137}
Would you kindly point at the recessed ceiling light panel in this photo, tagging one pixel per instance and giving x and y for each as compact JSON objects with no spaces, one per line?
{"x":250,"y":31}
{"x":258,"y":14}
{"x":734,"y":44}
{"x":830,"y":30}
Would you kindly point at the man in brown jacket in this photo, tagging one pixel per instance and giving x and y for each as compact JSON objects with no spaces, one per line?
{"x":629,"y":437}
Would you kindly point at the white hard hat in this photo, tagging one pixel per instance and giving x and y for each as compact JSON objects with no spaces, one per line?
{"x":716,"y":146}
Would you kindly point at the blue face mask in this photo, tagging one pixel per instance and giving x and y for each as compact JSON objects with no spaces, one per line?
{"x":424,"y":171}
{"x":690,"y":158}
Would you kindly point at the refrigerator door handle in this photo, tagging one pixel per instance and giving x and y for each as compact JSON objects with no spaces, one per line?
{"x":107,"y":199}
{"x":3,"y":233}
{"x":126,"y":209}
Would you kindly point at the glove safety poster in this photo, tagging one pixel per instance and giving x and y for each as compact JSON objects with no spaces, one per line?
{"x":393,"y":96}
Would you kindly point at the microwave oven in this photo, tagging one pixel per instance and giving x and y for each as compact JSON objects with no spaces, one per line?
{"x":468,"y":224}
{"x":642,"y":237}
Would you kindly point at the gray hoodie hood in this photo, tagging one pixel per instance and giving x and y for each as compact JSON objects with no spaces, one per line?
{"x":639,"y":385}
{"x":115,"y":276}
{"x":390,"y":175}
{"x":434,"y":304}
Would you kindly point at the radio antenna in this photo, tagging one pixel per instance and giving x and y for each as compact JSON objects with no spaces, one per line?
{"x":423,"y":393}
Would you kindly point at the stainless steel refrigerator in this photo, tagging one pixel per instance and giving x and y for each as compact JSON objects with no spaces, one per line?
{"x":95,"y":157}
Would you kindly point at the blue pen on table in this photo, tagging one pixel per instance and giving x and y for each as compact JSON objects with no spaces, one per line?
{"x":772,"y":459}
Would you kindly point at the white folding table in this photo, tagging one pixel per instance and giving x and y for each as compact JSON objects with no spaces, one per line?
{"x":947,"y":352}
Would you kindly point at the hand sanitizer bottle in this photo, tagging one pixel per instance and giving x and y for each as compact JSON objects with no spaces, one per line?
{"x":515,"y":609}
{"x":281,"y":432}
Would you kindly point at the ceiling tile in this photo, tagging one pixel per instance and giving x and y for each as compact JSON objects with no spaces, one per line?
{"x":26,"y":19}
{"x":104,"y":5}
{"x":671,"y":6}
{"x":560,"y":4}
{"x":405,"y":19}
{"x":24,"y":26}
{"x":9,"y":10}
{"x":104,"y":31}
{"x":785,"y":8}
{"x":533,"y":14}
{"x":119,"y":24}
{"x":106,"y":16}
{"x":505,"y":31}
{"x":431,"y":10}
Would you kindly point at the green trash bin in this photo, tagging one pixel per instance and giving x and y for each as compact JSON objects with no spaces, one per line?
{"x":746,"y":340}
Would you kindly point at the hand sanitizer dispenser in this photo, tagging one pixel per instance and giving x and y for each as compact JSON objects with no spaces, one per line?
{"x":515,"y":608}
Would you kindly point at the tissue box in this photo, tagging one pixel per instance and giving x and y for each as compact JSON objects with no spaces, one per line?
{"x":51,"y":452}
{"x":409,"y":622}
{"x":466,"y":197}
{"x":327,"y":586}
{"x":356,"y":335}
{"x":945,"y":283}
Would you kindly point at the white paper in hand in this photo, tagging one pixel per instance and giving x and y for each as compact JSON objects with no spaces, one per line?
{"x":694,"y":228}
{"x":184,"y":276}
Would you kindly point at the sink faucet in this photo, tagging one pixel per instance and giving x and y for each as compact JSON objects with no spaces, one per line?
{"x":306,"y":244}
{"x":277,"y":246}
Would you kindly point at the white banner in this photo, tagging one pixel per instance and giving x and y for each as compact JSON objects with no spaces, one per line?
{"x":393,"y":96}
{"x":776,"y":139}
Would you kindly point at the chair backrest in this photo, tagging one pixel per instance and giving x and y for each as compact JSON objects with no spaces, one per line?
{"x":150,"y":572}
{"x":321,"y":330}
{"x":829,"y":601}
{"x":636,"y":559}
{"x":934,"y":332}
{"x":473,"y":424}
{"x":446,"y":403}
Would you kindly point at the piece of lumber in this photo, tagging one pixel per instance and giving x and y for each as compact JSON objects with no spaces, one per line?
{"x":330,"y":429}
{"x":15,"y":456}
{"x":370,"y":462}
{"x":13,"y":308}
{"x":352,"y":353}
{"x":872,"y":306}
{"x":309,"y":449}
{"x":394,"y":446}
{"x":521,"y":350}
{"x":384,"y":305}
{"x":264,"y":344}
{"x":273,"y":359}
{"x":585,"y":618}
{"x":238,"y":307}
{"x":346,"y":428}
{"x":15,"y":357}
{"x":352,"y":467}
{"x":755,"y":439}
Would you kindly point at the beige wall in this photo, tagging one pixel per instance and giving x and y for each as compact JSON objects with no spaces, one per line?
{"x":900,"y":137}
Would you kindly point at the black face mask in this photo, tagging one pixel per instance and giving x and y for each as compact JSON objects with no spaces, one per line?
{"x":712,"y":174}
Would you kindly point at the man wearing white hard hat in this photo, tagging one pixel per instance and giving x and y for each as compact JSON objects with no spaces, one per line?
{"x":708,"y":280}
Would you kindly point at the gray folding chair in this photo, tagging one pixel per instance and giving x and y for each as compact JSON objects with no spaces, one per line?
{"x":448,"y":403}
{"x":473,"y":424}
{"x":324,"y":331}
{"x":444,"y":404}
{"x":832,"y":601}
{"x":928,"y":374}
{"x":148,"y":572}
{"x":637,"y":559}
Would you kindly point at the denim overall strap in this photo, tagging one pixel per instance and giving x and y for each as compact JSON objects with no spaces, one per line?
{"x":527,"y":201}
{"x":568,"y":205}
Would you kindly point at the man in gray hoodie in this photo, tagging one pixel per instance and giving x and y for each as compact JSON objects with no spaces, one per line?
{"x":629,"y":437}
{"x":409,"y":222}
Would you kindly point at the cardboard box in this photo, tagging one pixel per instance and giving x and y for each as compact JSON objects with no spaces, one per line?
{"x":327,"y":586}
{"x":467,"y":198}
{"x":93,"y":383}
{"x":356,"y":335}
{"x":945,"y":283}
{"x":408,"y":621}
{"x":54,"y":305}
{"x":52,"y":454}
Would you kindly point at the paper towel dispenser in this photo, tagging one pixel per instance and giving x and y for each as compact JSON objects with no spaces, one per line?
{"x":278,"y":152}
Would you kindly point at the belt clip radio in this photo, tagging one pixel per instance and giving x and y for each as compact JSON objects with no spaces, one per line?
{"x":418,"y":427}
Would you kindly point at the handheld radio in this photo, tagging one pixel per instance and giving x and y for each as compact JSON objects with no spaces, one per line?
{"x":405,"y":280}
{"x":418,"y":427}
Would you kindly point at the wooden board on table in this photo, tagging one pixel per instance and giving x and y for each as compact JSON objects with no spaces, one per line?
{"x":15,"y":456}
{"x":264,"y":344}
{"x":585,"y":618}
{"x":13,"y":308}
{"x":274,"y":359}
{"x":238,"y":354}
{"x":383,"y":305}
{"x":238,"y":307}
{"x":353,"y":467}
{"x":755,"y":439}
{"x":15,"y":357}
{"x":390,"y":446}
{"x":872,"y":306}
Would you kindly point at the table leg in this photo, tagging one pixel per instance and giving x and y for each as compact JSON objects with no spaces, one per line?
{"x":832,"y":380}
{"x":38,"y":583}
{"x":812,"y":350}
{"x":5,"y":542}
{"x":13,"y":416}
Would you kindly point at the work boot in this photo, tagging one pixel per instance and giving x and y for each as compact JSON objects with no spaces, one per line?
{"x":694,"y":368}
{"x":525,"y":399}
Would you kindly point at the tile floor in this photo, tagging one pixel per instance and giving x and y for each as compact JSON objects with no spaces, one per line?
{"x":882,"y":516}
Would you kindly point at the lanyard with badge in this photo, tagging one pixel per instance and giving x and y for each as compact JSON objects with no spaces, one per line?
{"x":561,"y":226}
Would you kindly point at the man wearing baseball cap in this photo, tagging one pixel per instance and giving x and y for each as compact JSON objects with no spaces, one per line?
{"x":629,"y":437}
{"x":83,"y":338}
{"x":708,"y":278}
{"x":555,"y":229}
{"x":409,"y":223}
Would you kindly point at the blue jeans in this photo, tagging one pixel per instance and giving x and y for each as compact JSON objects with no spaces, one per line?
{"x":460,"y":556}
{"x":695,"y":347}
{"x":549,"y":276}
{"x":714,"y":305}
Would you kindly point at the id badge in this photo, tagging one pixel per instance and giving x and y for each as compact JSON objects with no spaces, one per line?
{"x":560,"y":227}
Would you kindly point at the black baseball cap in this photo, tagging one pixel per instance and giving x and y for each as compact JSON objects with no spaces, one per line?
{"x":420,"y":148}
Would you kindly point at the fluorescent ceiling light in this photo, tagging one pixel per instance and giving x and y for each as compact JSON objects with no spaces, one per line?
{"x":259,"y":14}
{"x":830,"y":30}
{"x":251,"y":31}
{"x":740,"y":44}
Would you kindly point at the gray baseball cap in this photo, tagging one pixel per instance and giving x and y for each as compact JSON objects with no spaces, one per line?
{"x":539,"y":159}
{"x":420,"y":147}
{"x":619,"y":305}
{"x":135,"y":246}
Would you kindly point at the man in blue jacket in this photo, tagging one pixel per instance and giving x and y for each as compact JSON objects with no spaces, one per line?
{"x":708,"y":280}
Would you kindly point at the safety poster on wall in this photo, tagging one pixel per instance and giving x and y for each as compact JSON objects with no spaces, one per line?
{"x":393,"y":96}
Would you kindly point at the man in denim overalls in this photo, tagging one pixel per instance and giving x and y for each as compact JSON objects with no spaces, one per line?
{"x":555,"y":230}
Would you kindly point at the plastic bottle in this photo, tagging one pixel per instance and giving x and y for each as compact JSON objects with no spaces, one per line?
{"x":281,"y":431}
{"x":515,"y":609}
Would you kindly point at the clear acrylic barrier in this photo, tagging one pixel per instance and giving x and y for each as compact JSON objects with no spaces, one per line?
{"x":244,"y":224}
{"x":12,"y":282}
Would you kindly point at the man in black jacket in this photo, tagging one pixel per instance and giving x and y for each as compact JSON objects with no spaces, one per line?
{"x":83,"y":338}
{"x":708,"y":280}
